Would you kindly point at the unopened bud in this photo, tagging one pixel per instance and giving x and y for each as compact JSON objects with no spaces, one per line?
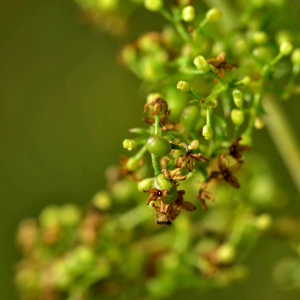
{"x":238,"y":98}
{"x":286,"y":48}
{"x":263,"y":221}
{"x":132,"y":164}
{"x":207,"y":132}
{"x":213,"y":15}
{"x":183,"y":86}
{"x":153,"y":5}
{"x":153,"y":96}
{"x":145,"y":184}
{"x":225,"y":253}
{"x":129,"y":144}
{"x":194,"y":145}
{"x":102,"y":200}
{"x":259,"y":37}
{"x":259,"y":122}
{"x":296,"y":57}
{"x":237,"y":117}
{"x":188,"y":13}
{"x":201,"y":64}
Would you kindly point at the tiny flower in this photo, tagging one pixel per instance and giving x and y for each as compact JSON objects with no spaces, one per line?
{"x":207,"y":132}
{"x":259,"y":37}
{"x":204,"y":195}
{"x":213,"y":103}
{"x":153,"y":5}
{"x":174,"y":176}
{"x":226,"y":171}
{"x":235,"y":149}
{"x":237,"y":117}
{"x":202,"y":64}
{"x":158,"y":106}
{"x":129,"y":144}
{"x":286,"y":48}
{"x":213,"y":15}
{"x":156,"y":194}
{"x":153,"y":96}
{"x":188,"y":13}
{"x":238,"y":98}
{"x":183,"y":86}
{"x":221,"y":65}
{"x":188,"y":158}
{"x":193,"y":145}
{"x":259,"y":122}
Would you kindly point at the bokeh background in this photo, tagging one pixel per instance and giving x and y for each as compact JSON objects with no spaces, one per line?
{"x":65,"y":107}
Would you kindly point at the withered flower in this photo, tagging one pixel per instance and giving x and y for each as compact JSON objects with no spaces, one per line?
{"x":124,"y":170}
{"x":188,"y":158}
{"x":226,"y":171}
{"x":165,"y":124}
{"x":235,"y":149}
{"x":221,"y":65}
{"x":156,"y":194}
{"x":175,"y":176}
{"x":158,"y":105}
{"x":204,"y":195}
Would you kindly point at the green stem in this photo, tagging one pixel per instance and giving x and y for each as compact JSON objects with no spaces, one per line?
{"x":141,"y":153}
{"x":156,"y":125}
{"x":208,"y":119}
{"x":155,"y":165}
{"x":216,"y":93}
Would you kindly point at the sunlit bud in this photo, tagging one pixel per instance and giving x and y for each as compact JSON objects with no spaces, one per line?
{"x":183,"y":86}
{"x":145,"y":184}
{"x":246,"y":81}
{"x":213,"y":15}
{"x":49,"y":216}
{"x":296,"y":57}
{"x":153,"y":5}
{"x":132,"y":164}
{"x":201,"y":64}
{"x":238,"y":98}
{"x":102,"y":200}
{"x":263,"y":221}
{"x":188,"y":13}
{"x":259,"y":122}
{"x":153,"y":96}
{"x":207,"y":132}
{"x":237,"y":117}
{"x":242,"y":46}
{"x":214,"y":103}
{"x":194,"y":145}
{"x":259,"y":37}
{"x":286,"y":48}
{"x":129,"y":144}
{"x":69,"y":215}
{"x":283,"y":36}
{"x":225,"y":253}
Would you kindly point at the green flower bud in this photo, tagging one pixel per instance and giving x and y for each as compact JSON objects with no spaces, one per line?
{"x":49,"y":216}
{"x":201,"y":64}
{"x":296,"y":57}
{"x":190,"y":117}
{"x":238,"y":98}
{"x":259,"y":122}
{"x":246,"y":140}
{"x":283,"y":36}
{"x":145,"y":184}
{"x":237,"y":117}
{"x":153,"y":96}
{"x":102,"y":200}
{"x":183,"y":86}
{"x":61,"y":277}
{"x":69,"y":215}
{"x":153,"y":5}
{"x":246,"y":81}
{"x":225,"y":253}
{"x":286,"y":48}
{"x":263,"y":221}
{"x":214,"y":103}
{"x":263,"y":53}
{"x":207,"y":132}
{"x":188,"y":14}
{"x":213,"y":15}
{"x":259,"y":37}
{"x":158,"y":146}
{"x":194,"y":145}
{"x":129,"y":144}
{"x":132,"y":164}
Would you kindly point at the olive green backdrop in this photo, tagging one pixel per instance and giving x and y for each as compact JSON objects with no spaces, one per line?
{"x":65,"y":107}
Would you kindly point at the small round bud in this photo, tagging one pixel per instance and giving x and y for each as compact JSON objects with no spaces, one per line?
{"x":242,"y":46}
{"x":225,"y":253}
{"x":238,"y":98}
{"x":286,"y":48}
{"x":213,"y":15}
{"x":129,"y":144}
{"x":132,"y":164}
{"x":259,"y":37}
{"x":69,"y":215}
{"x":283,"y":36}
{"x":153,"y":96}
{"x":102,"y":200}
{"x":237,"y":117}
{"x":49,"y":216}
{"x":207,"y":132}
{"x":194,"y":145}
{"x":145,"y":184}
{"x":296,"y":57}
{"x":158,"y":146}
{"x":188,"y":14}
{"x":201,"y":64}
{"x":183,"y":86}
{"x":263,"y":222}
{"x":259,"y":122}
{"x":246,"y":81}
{"x":214,"y":103}
{"x":153,"y":5}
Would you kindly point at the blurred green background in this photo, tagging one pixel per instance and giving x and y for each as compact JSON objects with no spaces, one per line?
{"x":65,"y":107}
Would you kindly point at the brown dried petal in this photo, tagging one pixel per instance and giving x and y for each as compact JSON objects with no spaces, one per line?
{"x":232,"y":181}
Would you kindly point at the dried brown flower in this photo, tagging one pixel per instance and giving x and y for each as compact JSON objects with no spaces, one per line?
{"x":221,"y":65}
{"x":226,"y":171}
{"x":156,"y":194}
{"x":175,"y":176}
{"x":188,"y":158}
{"x":204,"y":195}
{"x":235,"y":149}
{"x":158,"y":105}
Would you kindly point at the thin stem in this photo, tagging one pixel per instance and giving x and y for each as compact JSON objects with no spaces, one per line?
{"x":208,"y":120}
{"x":216,"y":93}
{"x":141,"y":153}
{"x":155,"y":165}
{"x":156,"y":125}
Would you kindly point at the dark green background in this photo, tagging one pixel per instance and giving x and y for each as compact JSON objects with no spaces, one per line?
{"x":65,"y":107}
